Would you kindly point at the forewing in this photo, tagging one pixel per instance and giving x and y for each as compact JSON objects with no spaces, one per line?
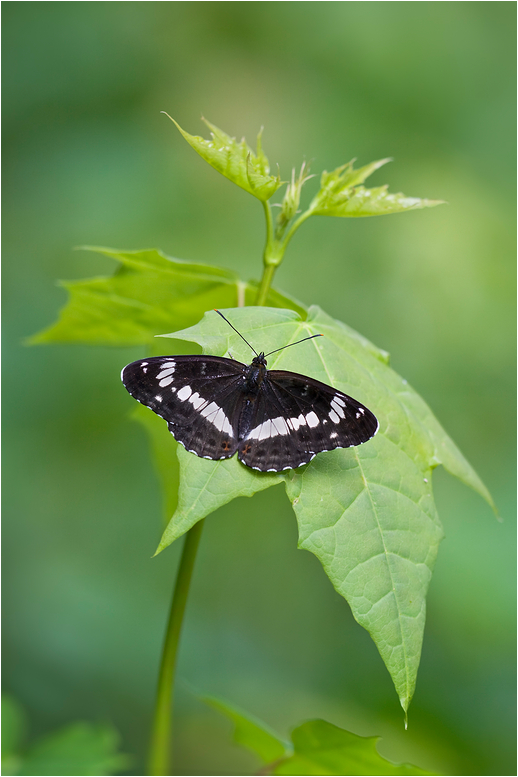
{"x":297,"y":417}
{"x":198,"y":396}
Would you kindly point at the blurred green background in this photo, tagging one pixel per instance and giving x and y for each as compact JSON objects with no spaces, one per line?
{"x":88,"y":158}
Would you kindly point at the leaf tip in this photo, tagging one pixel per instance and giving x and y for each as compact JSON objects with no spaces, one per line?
{"x":99,"y":249}
{"x":36,"y":339}
{"x":174,"y":122}
{"x":405,"y":703}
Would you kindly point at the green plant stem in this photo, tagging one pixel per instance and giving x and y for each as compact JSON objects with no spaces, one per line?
{"x":296,"y":224}
{"x":274,"y":250}
{"x":160,"y":747}
{"x":266,"y":282}
{"x":268,"y":267}
{"x":159,"y":761}
{"x":269,"y":226}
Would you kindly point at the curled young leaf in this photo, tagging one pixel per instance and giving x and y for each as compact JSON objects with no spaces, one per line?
{"x":342,"y":195}
{"x":291,"y":199}
{"x":235,"y":160}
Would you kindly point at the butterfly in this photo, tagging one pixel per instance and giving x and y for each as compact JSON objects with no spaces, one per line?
{"x":275,"y":420}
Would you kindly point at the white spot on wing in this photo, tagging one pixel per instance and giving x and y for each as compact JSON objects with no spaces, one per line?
{"x":225,"y":425}
{"x":338,"y":407}
{"x":216,"y":416}
{"x":196,"y":400}
{"x":184,"y":393}
{"x":165,"y":373}
{"x":335,"y":418}
{"x":158,"y":398}
{"x":166,"y":382}
{"x":272,"y":427}
{"x":312,"y":419}
{"x":209,"y":410}
{"x":295,"y":423}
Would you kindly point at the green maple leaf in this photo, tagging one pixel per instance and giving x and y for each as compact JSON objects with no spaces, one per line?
{"x":367,"y":512}
{"x":149,"y":292}
{"x":321,"y":748}
{"x":316,"y":748}
{"x":78,"y":748}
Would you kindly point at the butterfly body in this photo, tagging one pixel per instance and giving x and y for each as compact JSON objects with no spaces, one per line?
{"x":255,"y":374}
{"x":275,"y":420}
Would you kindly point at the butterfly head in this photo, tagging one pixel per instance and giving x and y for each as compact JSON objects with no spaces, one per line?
{"x":259,"y":361}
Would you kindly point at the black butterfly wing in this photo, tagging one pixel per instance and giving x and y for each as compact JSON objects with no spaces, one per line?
{"x":198,"y":396}
{"x":297,"y":417}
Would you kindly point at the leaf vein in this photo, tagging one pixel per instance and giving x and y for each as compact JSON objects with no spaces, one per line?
{"x":375,"y":513}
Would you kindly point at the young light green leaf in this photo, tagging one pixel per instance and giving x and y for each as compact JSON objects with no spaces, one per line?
{"x":236,"y":161}
{"x":251,"y":732}
{"x":346,"y":176}
{"x":322,"y":748}
{"x":149,"y":293}
{"x":80,"y":748}
{"x":341,"y":195}
{"x":291,"y":200}
{"x":368,"y":512}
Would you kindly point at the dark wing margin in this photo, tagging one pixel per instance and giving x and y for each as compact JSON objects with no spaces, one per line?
{"x":297,"y":417}
{"x":197,"y":397}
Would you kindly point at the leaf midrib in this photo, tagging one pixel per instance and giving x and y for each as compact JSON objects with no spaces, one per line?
{"x":375,"y":513}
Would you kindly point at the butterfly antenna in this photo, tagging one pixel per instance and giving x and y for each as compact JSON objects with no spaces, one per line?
{"x":235,"y":330}
{"x":287,"y":346}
